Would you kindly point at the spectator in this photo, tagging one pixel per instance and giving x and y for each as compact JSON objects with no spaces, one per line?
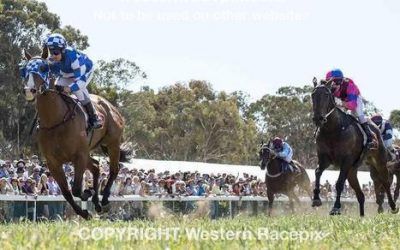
{"x":52,"y":185}
{"x":16,"y":189}
{"x":36,"y":174}
{"x":29,"y":187}
{"x":128,"y":187}
{"x":4,"y":168}
{"x":5,"y":187}
{"x":43,"y":186}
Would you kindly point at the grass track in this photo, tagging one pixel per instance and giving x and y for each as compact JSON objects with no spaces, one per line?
{"x":344,"y":232}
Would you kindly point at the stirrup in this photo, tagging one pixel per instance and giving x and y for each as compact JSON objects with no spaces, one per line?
{"x":96,"y":124}
{"x":372,"y":145}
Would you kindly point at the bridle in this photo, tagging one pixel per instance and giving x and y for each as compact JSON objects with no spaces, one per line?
{"x":331,"y":102}
{"x":265,"y":147}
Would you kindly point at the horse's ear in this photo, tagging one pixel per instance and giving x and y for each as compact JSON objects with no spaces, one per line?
{"x":262,"y":142}
{"x":27,"y":55}
{"x":322,"y":82}
{"x":315,"y":81}
{"x":45,"y":52}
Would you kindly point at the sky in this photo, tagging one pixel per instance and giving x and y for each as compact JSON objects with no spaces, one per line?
{"x":251,"y":45}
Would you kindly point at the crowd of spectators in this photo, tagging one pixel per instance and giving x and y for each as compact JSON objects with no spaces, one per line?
{"x":30,"y":176}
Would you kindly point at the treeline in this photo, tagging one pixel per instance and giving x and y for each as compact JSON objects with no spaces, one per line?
{"x":185,"y":121}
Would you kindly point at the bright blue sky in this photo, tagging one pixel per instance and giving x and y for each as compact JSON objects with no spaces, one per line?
{"x":250,"y":45}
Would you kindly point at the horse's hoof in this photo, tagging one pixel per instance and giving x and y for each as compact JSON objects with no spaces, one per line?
{"x":106,"y":208}
{"x":86,"y":195}
{"x":335,"y":211}
{"x":395,"y":211}
{"x":380,"y":210}
{"x":97,"y":208}
{"x":86,"y":215}
{"x":316,"y":203}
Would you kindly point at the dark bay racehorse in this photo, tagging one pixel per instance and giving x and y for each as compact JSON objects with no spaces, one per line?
{"x":63,"y":138}
{"x":340,"y":142}
{"x":279,"y":182}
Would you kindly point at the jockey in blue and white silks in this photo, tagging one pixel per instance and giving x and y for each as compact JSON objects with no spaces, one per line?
{"x":386,"y":132}
{"x":74,"y":70}
{"x":283,"y":151}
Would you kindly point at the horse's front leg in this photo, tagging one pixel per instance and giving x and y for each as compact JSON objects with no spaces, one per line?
{"x":271,"y":197}
{"x":344,"y":170}
{"x":323,"y":164}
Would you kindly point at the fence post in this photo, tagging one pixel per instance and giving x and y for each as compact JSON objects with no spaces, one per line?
{"x":34,"y":210}
{"x":230,"y":209}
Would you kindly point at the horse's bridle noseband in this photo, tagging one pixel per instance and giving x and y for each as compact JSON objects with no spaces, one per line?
{"x":264,"y":146}
{"x":331,"y":100}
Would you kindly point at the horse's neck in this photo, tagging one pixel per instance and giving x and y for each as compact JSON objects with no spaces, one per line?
{"x":51,"y":109}
{"x":274,"y":166}
{"x":334,"y":122}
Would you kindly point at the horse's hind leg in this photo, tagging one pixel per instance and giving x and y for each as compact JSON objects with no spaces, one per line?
{"x":113,"y":151}
{"x":59,"y":175}
{"x":379,"y":195}
{"x":94,"y":168}
{"x":383,"y":176}
{"x":353,"y":181}
{"x":397,"y":189}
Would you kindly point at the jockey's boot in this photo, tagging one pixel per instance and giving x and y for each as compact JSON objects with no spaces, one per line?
{"x":368,"y":132}
{"x":94,"y":121}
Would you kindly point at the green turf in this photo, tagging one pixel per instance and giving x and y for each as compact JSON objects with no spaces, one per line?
{"x":339,"y":232}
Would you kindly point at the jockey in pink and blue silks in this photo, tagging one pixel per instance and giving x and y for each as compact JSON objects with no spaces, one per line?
{"x":346,"y":90}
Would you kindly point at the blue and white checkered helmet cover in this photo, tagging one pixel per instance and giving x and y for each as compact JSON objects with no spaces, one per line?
{"x":56,"y":41}
{"x":38,"y":66}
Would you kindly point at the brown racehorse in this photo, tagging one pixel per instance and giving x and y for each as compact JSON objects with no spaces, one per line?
{"x":394,"y":170}
{"x":340,"y":143}
{"x":279,"y":182}
{"x":63,"y":138}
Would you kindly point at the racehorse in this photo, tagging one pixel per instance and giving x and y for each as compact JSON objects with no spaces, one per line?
{"x":63,"y":136}
{"x":394,"y":170}
{"x":340,"y":142}
{"x":279,"y":182}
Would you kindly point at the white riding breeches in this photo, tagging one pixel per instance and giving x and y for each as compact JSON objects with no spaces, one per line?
{"x":359,"y":112}
{"x":82,"y":94}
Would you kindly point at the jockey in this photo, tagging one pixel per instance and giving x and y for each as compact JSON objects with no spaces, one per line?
{"x":74,"y":70}
{"x":346,"y":90}
{"x":386,"y":131}
{"x":284,"y":152}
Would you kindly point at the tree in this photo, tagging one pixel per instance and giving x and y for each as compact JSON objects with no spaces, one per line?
{"x":288,"y":114}
{"x":189,"y":122}
{"x":111,"y":79}
{"x":395,"y":118}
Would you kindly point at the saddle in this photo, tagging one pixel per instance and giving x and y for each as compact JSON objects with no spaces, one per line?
{"x":349,"y":119}
{"x":289,"y":167}
{"x":79,"y":104}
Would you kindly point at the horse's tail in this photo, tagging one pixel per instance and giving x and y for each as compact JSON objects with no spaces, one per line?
{"x":126,"y":151}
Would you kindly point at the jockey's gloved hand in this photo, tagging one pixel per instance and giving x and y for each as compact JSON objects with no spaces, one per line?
{"x":59,"y":88}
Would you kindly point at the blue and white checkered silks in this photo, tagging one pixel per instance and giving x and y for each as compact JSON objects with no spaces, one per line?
{"x":56,"y":41}
{"x":76,"y":67}
{"x":36,"y":66}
